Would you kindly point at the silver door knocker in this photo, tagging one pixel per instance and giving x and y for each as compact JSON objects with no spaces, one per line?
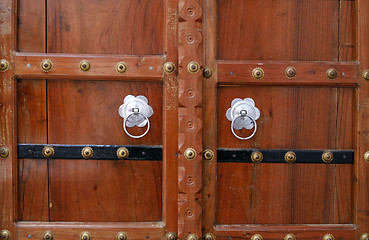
{"x":135,"y":111}
{"x":243,"y":114}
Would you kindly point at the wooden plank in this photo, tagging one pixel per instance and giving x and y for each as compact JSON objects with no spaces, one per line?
{"x":278,"y":30}
{"x":28,"y":65}
{"x":347,"y":31}
{"x":312,"y":73}
{"x":112,"y":27}
{"x":32,"y":128}
{"x":86,"y":112}
{"x":31,"y":34}
{"x":361,"y":168}
{"x":70,"y":231}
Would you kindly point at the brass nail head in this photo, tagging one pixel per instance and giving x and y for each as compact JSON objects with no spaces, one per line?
{"x":87,"y":152}
{"x":208,"y":154}
{"x":48,"y":151}
{"x":257,"y":73}
{"x":84,"y":65}
{"x":190,"y":153}
{"x":290,"y":157}
{"x":169,"y":67}
{"x":290,"y":72}
{"x":208,"y":72}
{"x":171,"y":236}
{"x":46,"y":65}
{"x":193,"y":67}
{"x":85,"y":236}
{"x":121,"y":236}
{"x":5,"y":234}
{"x":4,"y":152}
{"x":256,"y":237}
{"x":327,"y":157}
{"x":48,"y":236}
{"x":121,"y":67}
{"x":4,"y":65}
{"x":122,"y":153}
{"x":256,"y":157}
{"x":328,"y":236}
{"x":331,"y":73}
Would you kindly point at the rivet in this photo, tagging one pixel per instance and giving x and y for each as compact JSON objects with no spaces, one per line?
{"x":46,"y":65}
{"x":121,"y":67}
{"x":328,"y":236}
{"x":85,"y":236}
{"x":48,"y":236}
{"x":256,"y":157}
{"x":5,"y":234}
{"x":48,"y":151}
{"x":171,"y":236}
{"x":208,"y":72}
{"x":193,"y":67}
{"x":331,"y":73}
{"x":84,"y":65}
{"x":366,"y":74}
{"x":258,"y":73}
{"x":366,"y":156}
{"x":256,"y":237}
{"x":87,"y":152}
{"x":190,"y":153}
{"x":290,"y":72}
{"x":192,"y":237}
{"x":364,"y":236}
{"x":122,"y":153}
{"x":290,"y":236}
{"x":4,"y":65}
{"x":327,"y":157}
{"x":290,"y":157}
{"x":169,"y":67}
{"x":121,"y":236}
{"x":4,"y":152}
{"x":208,"y":154}
{"x":209,"y":236}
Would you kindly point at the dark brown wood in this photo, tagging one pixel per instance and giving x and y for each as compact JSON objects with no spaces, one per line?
{"x":28,"y":65}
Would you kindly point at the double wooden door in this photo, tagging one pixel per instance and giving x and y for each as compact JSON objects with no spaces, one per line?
{"x":67,"y":66}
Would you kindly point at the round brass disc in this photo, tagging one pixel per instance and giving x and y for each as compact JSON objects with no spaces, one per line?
{"x":171,"y":236}
{"x":209,"y":236}
{"x":87,"y":152}
{"x":328,"y":236}
{"x":121,"y":236}
{"x":290,"y":236}
{"x":366,"y":156}
{"x":4,"y":152}
{"x":5,"y":234}
{"x":121,"y":67}
{"x":193,"y":67}
{"x":4,"y":65}
{"x":256,"y":237}
{"x":208,"y":154}
{"x":48,"y":152}
{"x":208,"y":72}
{"x":256,"y":157}
{"x":364,"y":236}
{"x":46,"y":65}
{"x":122,"y":153}
{"x":366,"y":74}
{"x":169,"y":67}
{"x":290,"y":157}
{"x":258,"y":73}
{"x":327,"y":157}
{"x":290,"y":72}
{"x":331,"y":73}
{"x":48,"y":236}
{"x":192,"y":237}
{"x":85,"y":236}
{"x":190,"y":153}
{"x":84,"y":65}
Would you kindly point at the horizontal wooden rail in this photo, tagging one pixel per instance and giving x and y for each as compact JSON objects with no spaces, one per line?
{"x":307,"y":73}
{"x":28,"y":65}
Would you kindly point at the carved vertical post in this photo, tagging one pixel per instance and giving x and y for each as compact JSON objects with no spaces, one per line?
{"x":190,"y":118}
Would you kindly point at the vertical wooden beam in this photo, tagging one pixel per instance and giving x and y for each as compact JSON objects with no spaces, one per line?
{"x":7,"y":116}
{"x":361,"y":194}
{"x":190,"y":117}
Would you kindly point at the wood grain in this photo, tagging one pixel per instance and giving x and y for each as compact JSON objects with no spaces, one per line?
{"x":347,"y":31}
{"x":92,"y":26}
{"x":278,"y":30}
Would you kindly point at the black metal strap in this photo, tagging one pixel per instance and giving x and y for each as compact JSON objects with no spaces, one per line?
{"x":100,"y":152}
{"x":277,"y":155}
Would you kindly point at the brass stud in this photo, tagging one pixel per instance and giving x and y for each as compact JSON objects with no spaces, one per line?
{"x":87,"y":152}
{"x":328,"y":236}
{"x":48,"y":152}
{"x":290,"y":72}
{"x":290,"y":236}
{"x":190,"y":153}
{"x":4,"y":65}
{"x":4,"y":152}
{"x":192,"y":237}
{"x":256,"y":157}
{"x":46,"y":65}
{"x":327,"y":157}
{"x":208,"y":154}
{"x":209,"y":236}
{"x":5,"y":234}
{"x":290,"y":157}
{"x":121,"y":236}
{"x":169,"y":67}
{"x":364,"y":236}
{"x":122,"y":153}
{"x":208,"y":72}
{"x":256,"y":237}
{"x":366,"y":157}
{"x":331,"y":73}
{"x":193,"y":67}
{"x":85,"y":236}
{"x":121,"y":67}
{"x":48,"y":236}
{"x":366,"y":74}
{"x":171,"y":236}
{"x":84,"y":65}
{"x":258,"y":73}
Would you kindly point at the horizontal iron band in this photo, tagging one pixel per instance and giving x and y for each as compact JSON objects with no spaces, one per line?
{"x":277,"y":155}
{"x":100,"y":152}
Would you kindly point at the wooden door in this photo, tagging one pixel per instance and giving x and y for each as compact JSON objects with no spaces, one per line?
{"x":302,"y":62}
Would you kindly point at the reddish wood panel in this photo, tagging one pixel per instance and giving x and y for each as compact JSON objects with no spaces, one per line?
{"x":32,"y":128}
{"x":291,"y":117}
{"x":31,"y":34}
{"x":278,"y":30}
{"x":347,"y":31}
{"x":112,"y":26}
{"x":86,"y":112}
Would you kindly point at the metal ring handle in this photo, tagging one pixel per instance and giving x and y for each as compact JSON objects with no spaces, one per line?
{"x":255,"y":127}
{"x":125,"y":128}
